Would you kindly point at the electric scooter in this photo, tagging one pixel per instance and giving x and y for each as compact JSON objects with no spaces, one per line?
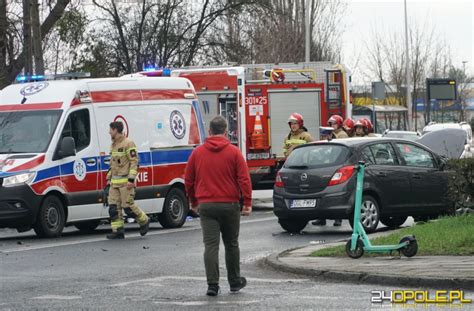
{"x":360,"y":242}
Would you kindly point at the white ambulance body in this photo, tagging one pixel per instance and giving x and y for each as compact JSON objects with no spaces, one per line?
{"x":46,"y":182}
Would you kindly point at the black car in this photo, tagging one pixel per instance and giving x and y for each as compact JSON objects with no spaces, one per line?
{"x":402,"y":179}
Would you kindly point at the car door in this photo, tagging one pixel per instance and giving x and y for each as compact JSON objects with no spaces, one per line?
{"x":79,"y":174}
{"x":428,"y":183}
{"x":388,"y":176}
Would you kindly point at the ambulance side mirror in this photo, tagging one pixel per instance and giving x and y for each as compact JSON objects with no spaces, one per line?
{"x":67,"y":147}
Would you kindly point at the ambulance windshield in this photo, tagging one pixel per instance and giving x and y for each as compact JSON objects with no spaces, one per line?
{"x":27,"y":131}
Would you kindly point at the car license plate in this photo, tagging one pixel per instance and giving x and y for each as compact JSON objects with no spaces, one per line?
{"x":302,"y":203}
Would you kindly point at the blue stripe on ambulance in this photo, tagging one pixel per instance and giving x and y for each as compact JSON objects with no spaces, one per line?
{"x":157,"y":157}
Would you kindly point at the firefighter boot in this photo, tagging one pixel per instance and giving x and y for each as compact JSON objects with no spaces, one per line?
{"x":319,"y":222}
{"x":145,"y":227}
{"x":117,"y":235}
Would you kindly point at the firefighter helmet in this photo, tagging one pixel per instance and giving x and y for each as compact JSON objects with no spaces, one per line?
{"x":348,"y":124}
{"x":337,"y":119}
{"x":362,"y":123}
{"x":296,"y":117}
{"x":370,"y":127}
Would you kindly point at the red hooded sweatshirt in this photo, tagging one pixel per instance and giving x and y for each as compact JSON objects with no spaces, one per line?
{"x":217,"y":173}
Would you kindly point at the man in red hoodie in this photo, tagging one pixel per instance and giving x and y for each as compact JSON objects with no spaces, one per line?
{"x":216,"y":179}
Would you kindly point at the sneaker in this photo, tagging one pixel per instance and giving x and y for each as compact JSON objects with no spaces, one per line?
{"x":319,"y":222}
{"x":238,"y":285}
{"x":212,"y":290}
{"x":119,"y":235}
{"x":144,"y":228}
{"x":337,"y":222}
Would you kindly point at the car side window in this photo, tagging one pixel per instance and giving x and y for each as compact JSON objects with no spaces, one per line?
{"x":416,"y":156}
{"x":368,"y":156}
{"x":78,"y":127}
{"x":384,"y":154}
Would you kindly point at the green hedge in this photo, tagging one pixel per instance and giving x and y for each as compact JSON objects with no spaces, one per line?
{"x":461,"y":184}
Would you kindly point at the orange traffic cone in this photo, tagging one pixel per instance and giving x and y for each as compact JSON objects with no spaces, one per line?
{"x":257,"y":135}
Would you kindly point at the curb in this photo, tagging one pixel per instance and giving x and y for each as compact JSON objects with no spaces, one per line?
{"x":358,"y":277}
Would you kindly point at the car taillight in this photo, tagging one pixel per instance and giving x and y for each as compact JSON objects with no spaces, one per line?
{"x":278,"y":181}
{"x":341,"y":175}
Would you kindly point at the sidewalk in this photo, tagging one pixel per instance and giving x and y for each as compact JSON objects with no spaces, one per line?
{"x":455,"y":272}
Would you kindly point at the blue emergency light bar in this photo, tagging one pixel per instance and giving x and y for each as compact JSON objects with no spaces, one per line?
{"x":24,"y":78}
{"x":61,"y":76}
{"x":152,"y":72}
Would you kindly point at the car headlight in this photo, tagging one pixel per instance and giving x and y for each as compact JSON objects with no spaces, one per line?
{"x":16,"y":180}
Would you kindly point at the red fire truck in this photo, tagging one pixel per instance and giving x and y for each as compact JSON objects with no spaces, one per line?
{"x":257,"y":100}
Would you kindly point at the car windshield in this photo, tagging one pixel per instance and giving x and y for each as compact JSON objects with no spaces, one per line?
{"x":27,"y":131}
{"x":409,"y":136}
{"x":317,"y":156}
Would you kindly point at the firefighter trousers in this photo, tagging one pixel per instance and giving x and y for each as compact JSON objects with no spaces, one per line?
{"x":122,"y":200}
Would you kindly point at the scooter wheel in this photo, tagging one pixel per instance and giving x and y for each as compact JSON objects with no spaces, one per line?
{"x":412,"y":248}
{"x":358,"y":252}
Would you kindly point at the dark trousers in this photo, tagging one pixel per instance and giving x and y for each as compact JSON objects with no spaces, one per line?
{"x":217,"y":218}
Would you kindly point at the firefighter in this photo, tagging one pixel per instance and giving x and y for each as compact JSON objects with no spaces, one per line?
{"x":336,"y":122}
{"x":298,"y":135}
{"x":348,"y":127}
{"x":361,"y":128}
{"x":370,"y":128}
{"x":122,"y":177}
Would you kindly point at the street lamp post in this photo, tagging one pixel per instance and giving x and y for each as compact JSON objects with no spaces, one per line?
{"x":407,"y":68}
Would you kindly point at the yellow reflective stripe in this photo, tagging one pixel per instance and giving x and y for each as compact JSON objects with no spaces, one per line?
{"x":119,"y":180}
{"x":116,"y":224}
{"x":296,"y":141}
{"x":117,"y":154}
{"x":130,"y":149}
{"x":133,"y":172}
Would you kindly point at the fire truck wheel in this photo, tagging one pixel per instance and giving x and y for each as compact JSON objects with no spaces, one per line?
{"x":175,"y":209}
{"x":87,"y":226}
{"x":292,"y":225}
{"x":51,"y":218}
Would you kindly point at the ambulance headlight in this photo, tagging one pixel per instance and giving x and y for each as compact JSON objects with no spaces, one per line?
{"x":19,"y":179}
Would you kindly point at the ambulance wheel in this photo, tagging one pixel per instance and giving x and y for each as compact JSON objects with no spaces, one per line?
{"x":412,"y":248}
{"x":51,"y":218}
{"x":87,"y":226}
{"x":175,"y":209}
{"x":358,"y":252}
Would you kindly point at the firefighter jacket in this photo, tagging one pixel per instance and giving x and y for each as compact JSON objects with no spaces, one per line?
{"x":339,"y":133}
{"x":295,"y":139}
{"x":123,"y":162}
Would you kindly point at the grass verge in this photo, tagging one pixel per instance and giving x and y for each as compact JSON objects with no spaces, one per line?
{"x":447,"y":236}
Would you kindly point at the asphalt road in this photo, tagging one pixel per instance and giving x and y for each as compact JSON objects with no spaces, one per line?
{"x":164,"y":270}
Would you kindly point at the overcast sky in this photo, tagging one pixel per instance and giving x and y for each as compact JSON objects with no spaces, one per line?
{"x":453,"y":21}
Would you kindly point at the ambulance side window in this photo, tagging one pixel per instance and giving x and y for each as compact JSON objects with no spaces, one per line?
{"x":78,"y":127}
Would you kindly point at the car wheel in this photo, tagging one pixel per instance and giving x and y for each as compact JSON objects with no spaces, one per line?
{"x":175,"y":209}
{"x":369,"y":214}
{"x":51,"y":218}
{"x":292,"y":225}
{"x":393,"y":221}
{"x":87,"y":226}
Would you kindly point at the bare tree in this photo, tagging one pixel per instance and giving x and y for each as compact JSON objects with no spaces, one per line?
{"x":17,"y":55}
{"x":386,"y":60}
{"x":274,"y":31}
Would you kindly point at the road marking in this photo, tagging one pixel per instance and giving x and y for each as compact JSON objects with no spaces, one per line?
{"x":57,"y":297}
{"x":198,"y":278}
{"x":133,"y":235}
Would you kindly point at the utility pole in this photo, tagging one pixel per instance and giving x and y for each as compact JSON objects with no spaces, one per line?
{"x":307,"y":31}
{"x":407,"y":68}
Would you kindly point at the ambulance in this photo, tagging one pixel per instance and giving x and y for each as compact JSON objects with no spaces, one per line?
{"x":54,"y":149}
{"x":257,"y":99}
